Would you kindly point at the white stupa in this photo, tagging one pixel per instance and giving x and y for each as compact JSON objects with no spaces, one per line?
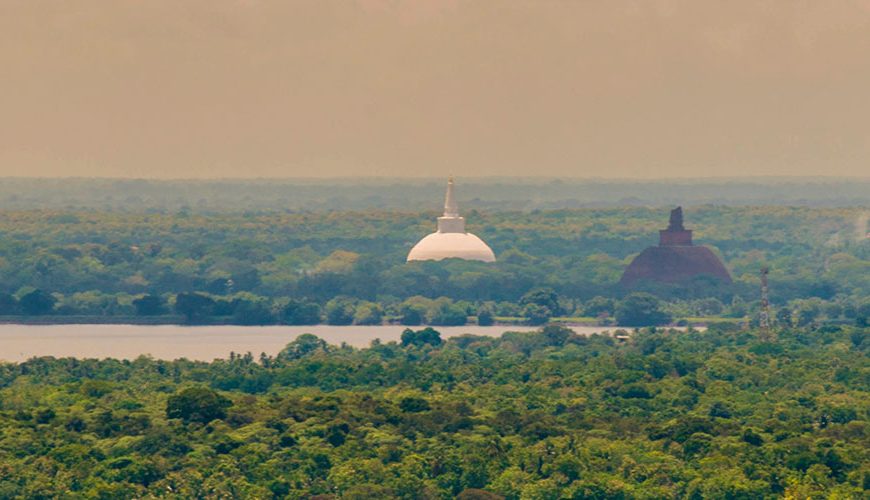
{"x":451,"y":241}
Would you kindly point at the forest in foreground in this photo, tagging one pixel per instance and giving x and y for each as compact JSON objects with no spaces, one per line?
{"x":343,"y":267}
{"x":549,"y":414}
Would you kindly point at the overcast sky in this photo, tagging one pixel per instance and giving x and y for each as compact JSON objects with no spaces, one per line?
{"x":208,"y":88}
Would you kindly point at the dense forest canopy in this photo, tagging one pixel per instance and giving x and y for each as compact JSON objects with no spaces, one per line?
{"x":92,"y":262}
{"x":667,"y":414}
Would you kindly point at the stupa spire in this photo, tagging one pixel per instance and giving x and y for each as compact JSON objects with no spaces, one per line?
{"x":676,"y":234}
{"x":451,"y":209}
{"x":451,"y":222}
{"x":676,"y":222}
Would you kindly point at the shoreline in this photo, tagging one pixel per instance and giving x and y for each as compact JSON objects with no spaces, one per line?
{"x":19,"y":343}
{"x":177,"y":320}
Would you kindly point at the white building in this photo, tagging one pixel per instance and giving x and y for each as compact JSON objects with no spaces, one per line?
{"x":451,"y":241}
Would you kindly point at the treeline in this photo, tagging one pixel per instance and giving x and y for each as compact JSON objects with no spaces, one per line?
{"x":99,"y":263}
{"x":537,"y":307}
{"x":549,"y":414}
{"x":415,"y":194}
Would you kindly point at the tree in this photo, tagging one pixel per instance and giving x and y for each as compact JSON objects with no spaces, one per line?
{"x":413,"y":405}
{"x":720,"y":410}
{"x":485,"y":315}
{"x":254,"y":311}
{"x":197,"y":404}
{"x":422,"y":337}
{"x":340,"y":311}
{"x":556,"y":335}
{"x":752,"y":437}
{"x":445,"y":313}
{"x":301,"y":312}
{"x":90,"y":303}
{"x":710,"y":306}
{"x":641,"y":309}
{"x":194,"y":306}
{"x":737,"y":308}
{"x":413,"y":311}
{"x":368,"y":313}
{"x":544,"y":297}
{"x":149,"y":305}
{"x":536,"y":314}
{"x":336,"y":434}
{"x":302,"y":346}
{"x":37,"y":303}
{"x":807,"y":311}
{"x":598,"y":306}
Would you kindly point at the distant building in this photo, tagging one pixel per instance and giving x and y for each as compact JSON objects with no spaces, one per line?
{"x":451,"y":241}
{"x":676,"y":259}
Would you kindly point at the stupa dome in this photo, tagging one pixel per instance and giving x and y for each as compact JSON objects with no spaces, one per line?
{"x":437,"y":246}
{"x":451,"y":241}
{"x":676,"y":259}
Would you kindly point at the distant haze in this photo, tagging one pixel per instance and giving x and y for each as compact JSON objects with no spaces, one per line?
{"x":209,"y":88}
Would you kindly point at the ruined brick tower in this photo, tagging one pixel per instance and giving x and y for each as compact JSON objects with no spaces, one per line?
{"x":675,"y":235}
{"x":675,"y":259}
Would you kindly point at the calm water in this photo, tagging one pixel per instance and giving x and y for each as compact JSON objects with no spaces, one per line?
{"x":20,"y":342}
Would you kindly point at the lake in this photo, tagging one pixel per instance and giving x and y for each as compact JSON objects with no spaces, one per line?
{"x":21,"y":342}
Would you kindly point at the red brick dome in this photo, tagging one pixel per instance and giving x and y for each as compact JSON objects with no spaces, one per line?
{"x":675,"y":260}
{"x":674,"y":264}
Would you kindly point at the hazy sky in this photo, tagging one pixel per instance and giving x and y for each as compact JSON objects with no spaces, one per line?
{"x":208,"y":88}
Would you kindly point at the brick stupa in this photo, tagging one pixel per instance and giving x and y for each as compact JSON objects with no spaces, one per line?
{"x":675,"y":259}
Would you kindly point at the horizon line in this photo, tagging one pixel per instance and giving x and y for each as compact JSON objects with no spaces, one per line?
{"x":434,"y":178}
